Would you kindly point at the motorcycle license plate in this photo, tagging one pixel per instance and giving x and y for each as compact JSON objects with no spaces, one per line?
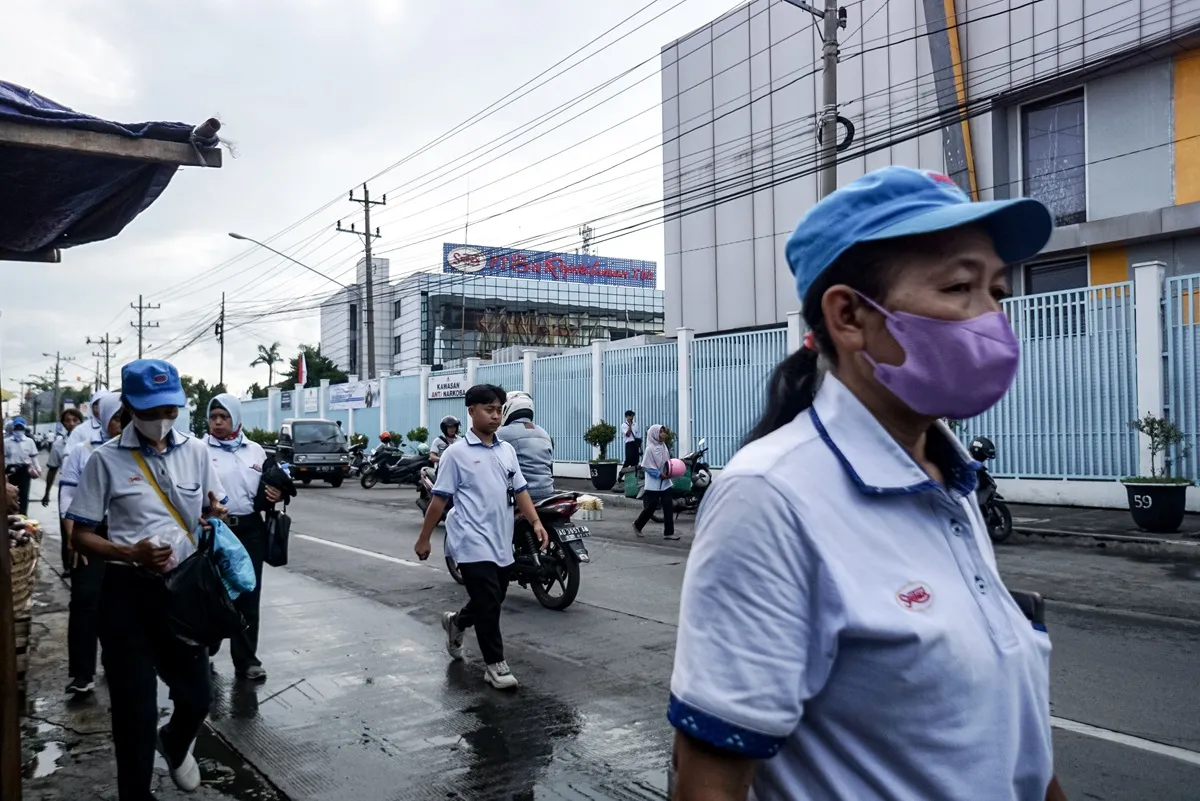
{"x":572,"y":533}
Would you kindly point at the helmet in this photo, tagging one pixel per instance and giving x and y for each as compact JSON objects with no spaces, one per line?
{"x":449,"y":420}
{"x":982,"y":449}
{"x":517,"y":402}
{"x":386,"y":436}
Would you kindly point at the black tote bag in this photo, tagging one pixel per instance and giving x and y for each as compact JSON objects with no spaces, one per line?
{"x":279,"y":528}
{"x":199,"y":609}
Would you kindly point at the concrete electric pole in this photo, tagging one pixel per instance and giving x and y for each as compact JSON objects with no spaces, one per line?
{"x":140,"y":325}
{"x":58,"y":360}
{"x":107,"y":342}
{"x":834,"y":18}
{"x":367,"y":235}
{"x":220,"y":332}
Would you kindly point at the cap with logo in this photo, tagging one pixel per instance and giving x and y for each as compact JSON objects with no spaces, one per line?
{"x":148,"y":383}
{"x":895,"y":202}
{"x":18,"y":422}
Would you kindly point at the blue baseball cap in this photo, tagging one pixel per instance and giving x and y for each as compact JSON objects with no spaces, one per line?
{"x":148,"y":383}
{"x":19,"y":422}
{"x":895,"y":202}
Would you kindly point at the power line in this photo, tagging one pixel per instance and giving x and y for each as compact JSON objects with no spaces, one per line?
{"x":140,"y":326}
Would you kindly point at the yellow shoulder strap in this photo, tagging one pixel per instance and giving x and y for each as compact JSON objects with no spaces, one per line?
{"x":162,"y":496}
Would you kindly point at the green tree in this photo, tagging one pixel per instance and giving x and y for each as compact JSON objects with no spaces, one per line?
{"x":199,"y":393}
{"x":256,"y":391}
{"x":319,"y":367}
{"x":270,"y":357}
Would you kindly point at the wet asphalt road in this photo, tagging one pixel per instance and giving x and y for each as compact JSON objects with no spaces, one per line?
{"x":363,"y":703}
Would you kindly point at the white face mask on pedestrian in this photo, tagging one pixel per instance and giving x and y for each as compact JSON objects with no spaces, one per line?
{"x":154,"y":430}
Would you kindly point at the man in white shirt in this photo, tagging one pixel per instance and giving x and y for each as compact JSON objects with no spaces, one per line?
{"x":20,"y":461}
{"x":483,"y":476}
{"x":632,"y":436}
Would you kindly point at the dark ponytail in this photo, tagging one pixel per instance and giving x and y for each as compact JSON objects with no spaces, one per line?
{"x":794,"y":382}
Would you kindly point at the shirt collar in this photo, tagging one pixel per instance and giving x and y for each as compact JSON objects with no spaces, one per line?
{"x":873,"y":459}
{"x":132,"y":440}
{"x":473,"y":439}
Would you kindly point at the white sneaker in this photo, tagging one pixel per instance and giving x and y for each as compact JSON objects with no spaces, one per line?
{"x":187,"y":775}
{"x":499,"y":676}
{"x":454,"y":636}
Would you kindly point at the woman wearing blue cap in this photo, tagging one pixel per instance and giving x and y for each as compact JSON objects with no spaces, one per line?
{"x":154,"y":485}
{"x":20,"y":461}
{"x":844,"y":632}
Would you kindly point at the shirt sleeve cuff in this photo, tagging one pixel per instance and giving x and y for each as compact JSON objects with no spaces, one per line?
{"x":68,"y":484}
{"x":716,"y":732}
{"x":87,"y":521}
{"x":443,"y":493}
{"x":520,"y":489}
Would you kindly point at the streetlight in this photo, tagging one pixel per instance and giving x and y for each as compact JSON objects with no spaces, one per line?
{"x":355,"y":289}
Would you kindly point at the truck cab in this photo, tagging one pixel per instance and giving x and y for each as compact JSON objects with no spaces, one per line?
{"x":315,"y":449}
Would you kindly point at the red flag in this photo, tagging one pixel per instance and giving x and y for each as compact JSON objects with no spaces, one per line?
{"x":301,"y":371}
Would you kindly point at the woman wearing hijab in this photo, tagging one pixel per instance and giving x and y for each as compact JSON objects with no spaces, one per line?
{"x":844,"y":632}
{"x":87,"y":575}
{"x":658,"y":489}
{"x":239,"y":465}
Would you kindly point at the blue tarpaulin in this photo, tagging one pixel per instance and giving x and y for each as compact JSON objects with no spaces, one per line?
{"x":56,"y":198}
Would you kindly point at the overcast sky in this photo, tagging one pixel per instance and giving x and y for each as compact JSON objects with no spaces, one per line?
{"x":317,"y":96}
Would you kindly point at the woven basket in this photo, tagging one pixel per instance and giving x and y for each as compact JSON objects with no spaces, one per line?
{"x":24,"y":569}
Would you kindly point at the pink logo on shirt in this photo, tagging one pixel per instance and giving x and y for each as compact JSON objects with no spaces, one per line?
{"x":915,"y":596}
{"x":134,"y":479}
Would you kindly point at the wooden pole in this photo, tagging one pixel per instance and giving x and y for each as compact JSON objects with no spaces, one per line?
{"x":10,"y":715}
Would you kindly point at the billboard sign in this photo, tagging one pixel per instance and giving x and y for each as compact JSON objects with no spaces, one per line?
{"x":285,"y":400}
{"x":354,"y":395}
{"x":541,"y":266}
{"x":451,"y":385}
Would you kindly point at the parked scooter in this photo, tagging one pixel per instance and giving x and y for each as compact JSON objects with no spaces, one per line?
{"x":553,"y":574}
{"x":358,"y":458}
{"x":425,"y":492}
{"x":393,"y":466}
{"x":996,"y":516}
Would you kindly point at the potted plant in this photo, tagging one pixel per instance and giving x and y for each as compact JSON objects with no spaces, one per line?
{"x":1157,"y":501}
{"x":604,"y":470}
{"x":418,"y":434}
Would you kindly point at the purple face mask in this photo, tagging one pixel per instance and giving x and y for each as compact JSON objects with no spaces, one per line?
{"x":952,"y":368}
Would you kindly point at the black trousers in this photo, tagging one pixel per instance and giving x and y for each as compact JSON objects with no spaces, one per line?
{"x":20,"y":478}
{"x":86,"y":582}
{"x":252,"y":531}
{"x":633,"y":452}
{"x":651,"y":500}
{"x":487,"y":585}
{"x":64,"y":539}
{"x":138,"y":650}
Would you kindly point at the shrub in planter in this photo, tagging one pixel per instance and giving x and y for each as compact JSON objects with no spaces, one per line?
{"x":1157,"y":501}
{"x":358,"y":439}
{"x":262,"y":436}
{"x":603,"y":470}
{"x":418,"y":434}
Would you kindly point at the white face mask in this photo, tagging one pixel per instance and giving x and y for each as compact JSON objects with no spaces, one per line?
{"x":154,"y":430}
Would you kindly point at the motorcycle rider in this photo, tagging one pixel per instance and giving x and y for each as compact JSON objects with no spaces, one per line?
{"x":450,"y":426}
{"x":533,"y":444}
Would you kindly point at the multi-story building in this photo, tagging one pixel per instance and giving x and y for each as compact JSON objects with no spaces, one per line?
{"x":478,"y":305}
{"x":1092,"y":106}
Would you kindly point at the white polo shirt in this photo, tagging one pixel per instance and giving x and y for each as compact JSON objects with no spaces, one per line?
{"x":20,"y":453}
{"x":843,"y":619}
{"x":113,"y":485}
{"x":240,"y":472}
{"x":478,"y":477}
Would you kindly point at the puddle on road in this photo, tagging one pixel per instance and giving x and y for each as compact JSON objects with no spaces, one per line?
{"x":224,"y":770}
{"x":45,"y":760}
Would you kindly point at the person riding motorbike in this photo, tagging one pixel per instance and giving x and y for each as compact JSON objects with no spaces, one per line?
{"x":450,"y":426}
{"x":533,"y":444}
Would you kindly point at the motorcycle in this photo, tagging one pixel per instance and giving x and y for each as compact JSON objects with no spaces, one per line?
{"x":358,"y":459}
{"x":393,"y":466}
{"x":425,"y":492}
{"x":996,"y":516}
{"x":557,"y":566}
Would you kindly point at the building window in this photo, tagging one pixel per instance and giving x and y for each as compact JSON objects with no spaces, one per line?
{"x":1060,"y":315}
{"x":397,"y":309}
{"x":396,"y":346}
{"x":1055,"y":165}
{"x":1057,"y":276}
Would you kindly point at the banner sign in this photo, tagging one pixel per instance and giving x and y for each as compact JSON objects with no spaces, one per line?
{"x":354,"y":395}
{"x":285,"y":399}
{"x":541,"y":266}
{"x":310,"y":400}
{"x":453,"y":385}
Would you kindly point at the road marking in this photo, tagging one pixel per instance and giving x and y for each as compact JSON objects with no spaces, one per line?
{"x":363,"y":552}
{"x":1182,"y":754}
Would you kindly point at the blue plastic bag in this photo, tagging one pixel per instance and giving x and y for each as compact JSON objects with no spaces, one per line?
{"x":237,"y":571}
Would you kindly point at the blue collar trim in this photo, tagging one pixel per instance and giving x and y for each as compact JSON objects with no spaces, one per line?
{"x":473,"y":439}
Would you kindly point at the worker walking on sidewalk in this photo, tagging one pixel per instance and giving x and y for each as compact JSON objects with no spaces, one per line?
{"x":483,"y":476}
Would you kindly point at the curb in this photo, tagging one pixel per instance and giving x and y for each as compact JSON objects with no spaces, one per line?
{"x":1124,"y":544}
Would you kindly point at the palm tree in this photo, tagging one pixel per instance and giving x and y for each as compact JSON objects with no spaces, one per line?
{"x":270,"y":357}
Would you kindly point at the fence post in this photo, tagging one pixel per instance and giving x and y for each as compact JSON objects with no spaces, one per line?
{"x":472,"y":370}
{"x":424,"y":392}
{"x":349,"y":422}
{"x":1148,"y":338}
{"x":597,"y":383}
{"x":323,"y":399}
{"x":272,"y":405}
{"x":527,"y":357}
{"x":795,"y":331}
{"x":298,"y":400}
{"x":383,"y":393}
{"x":683,"y":437}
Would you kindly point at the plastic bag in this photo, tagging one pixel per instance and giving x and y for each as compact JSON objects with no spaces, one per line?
{"x":233,"y":562}
{"x":199,"y":609}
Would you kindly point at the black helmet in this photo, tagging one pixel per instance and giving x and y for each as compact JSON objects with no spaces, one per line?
{"x":982,"y":449}
{"x":447,"y":421}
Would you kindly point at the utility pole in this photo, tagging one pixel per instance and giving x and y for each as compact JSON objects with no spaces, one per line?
{"x":58,"y":360}
{"x":834,"y":18}
{"x":367,"y":235}
{"x":140,"y":325}
{"x":220,"y":332}
{"x":107,"y":341}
